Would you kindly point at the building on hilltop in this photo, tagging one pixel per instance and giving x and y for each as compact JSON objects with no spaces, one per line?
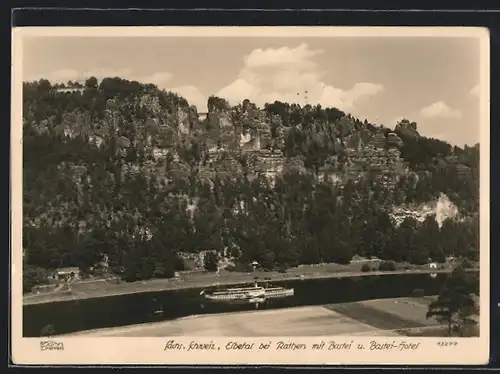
{"x":70,"y":87}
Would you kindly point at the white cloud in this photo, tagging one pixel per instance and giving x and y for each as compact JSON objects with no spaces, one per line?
{"x":440,"y":110}
{"x":159,"y":78}
{"x":63,"y":75}
{"x":475,"y":90}
{"x":193,"y":95}
{"x":299,"y":57}
{"x":285,"y":74}
{"x":238,"y":91}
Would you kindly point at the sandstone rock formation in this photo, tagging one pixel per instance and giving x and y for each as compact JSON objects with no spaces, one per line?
{"x":407,"y":128}
{"x":357,"y":148}
{"x":393,"y":140}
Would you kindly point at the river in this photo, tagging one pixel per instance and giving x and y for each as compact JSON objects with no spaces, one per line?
{"x":112,"y":311}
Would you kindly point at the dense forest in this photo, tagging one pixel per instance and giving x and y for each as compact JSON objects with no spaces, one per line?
{"x":85,"y":200}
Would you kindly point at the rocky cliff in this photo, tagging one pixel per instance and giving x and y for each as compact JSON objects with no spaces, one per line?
{"x":356,"y":149}
{"x":105,"y":164}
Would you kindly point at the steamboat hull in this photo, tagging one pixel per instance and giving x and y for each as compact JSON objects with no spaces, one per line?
{"x":234,"y":295}
{"x":244,"y":295}
{"x":277,"y":293}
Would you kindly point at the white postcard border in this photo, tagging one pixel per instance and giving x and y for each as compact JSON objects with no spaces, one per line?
{"x":106,"y":350}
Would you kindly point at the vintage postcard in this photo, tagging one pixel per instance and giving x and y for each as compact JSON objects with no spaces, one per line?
{"x":250,"y":195}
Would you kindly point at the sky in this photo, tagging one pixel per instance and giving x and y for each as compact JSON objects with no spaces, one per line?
{"x":433,"y":81}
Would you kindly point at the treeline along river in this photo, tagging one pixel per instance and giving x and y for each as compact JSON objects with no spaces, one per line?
{"x":112,"y":311}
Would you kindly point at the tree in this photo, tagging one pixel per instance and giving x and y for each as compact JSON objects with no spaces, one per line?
{"x":387,"y":266}
{"x":91,"y":82}
{"x":455,"y":305}
{"x":82,"y":199}
{"x":211,"y":261}
{"x":366,"y":268}
{"x":33,"y":276}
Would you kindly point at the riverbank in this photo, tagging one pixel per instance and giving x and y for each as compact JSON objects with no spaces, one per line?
{"x":103,"y":288}
{"x":379,"y":317}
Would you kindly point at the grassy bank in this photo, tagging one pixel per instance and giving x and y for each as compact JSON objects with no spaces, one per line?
{"x":439,"y":331}
{"x":103,"y":288}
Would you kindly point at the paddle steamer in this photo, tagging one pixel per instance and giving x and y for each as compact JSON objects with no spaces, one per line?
{"x":255,"y":293}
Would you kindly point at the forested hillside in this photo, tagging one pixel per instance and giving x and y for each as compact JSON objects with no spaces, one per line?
{"x":127,"y":172}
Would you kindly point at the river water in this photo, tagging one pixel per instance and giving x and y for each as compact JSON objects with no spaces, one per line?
{"x":112,"y":311}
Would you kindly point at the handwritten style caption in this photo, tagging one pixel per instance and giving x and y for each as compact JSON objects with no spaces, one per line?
{"x":330,"y":345}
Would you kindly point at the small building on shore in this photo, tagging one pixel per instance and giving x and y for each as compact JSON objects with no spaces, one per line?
{"x":69,"y":273}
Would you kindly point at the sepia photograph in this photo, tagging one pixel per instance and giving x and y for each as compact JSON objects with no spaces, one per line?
{"x":253,"y":186}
